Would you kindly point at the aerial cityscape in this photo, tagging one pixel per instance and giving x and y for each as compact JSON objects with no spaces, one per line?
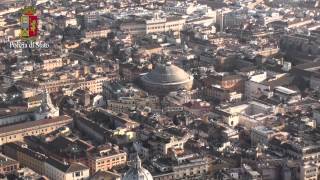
{"x":160,"y":89}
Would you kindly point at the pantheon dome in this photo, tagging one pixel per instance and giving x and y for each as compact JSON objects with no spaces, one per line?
{"x":166,"y":78}
{"x":137,"y":172}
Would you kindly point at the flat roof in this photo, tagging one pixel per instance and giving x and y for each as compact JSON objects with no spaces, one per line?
{"x":32,"y":124}
{"x":285,"y":90}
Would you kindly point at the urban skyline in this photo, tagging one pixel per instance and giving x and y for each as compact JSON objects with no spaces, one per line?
{"x":160,"y":89}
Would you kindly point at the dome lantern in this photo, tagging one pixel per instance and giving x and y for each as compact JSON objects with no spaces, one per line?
{"x":137,"y":172}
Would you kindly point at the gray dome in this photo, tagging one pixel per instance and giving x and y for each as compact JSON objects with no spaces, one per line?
{"x":166,"y":74}
{"x":166,"y":78}
{"x":137,"y":172}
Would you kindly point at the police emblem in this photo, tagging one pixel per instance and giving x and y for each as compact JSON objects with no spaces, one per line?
{"x":29,"y":23}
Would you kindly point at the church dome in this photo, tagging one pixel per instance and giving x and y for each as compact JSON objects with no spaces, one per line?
{"x":137,"y":172}
{"x":166,"y":78}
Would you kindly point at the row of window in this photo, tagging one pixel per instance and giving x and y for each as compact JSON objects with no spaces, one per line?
{"x":30,"y":133}
{"x":134,"y":29}
{"x":162,"y":27}
{"x":113,"y":159}
{"x":191,"y":173}
{"x":10,"y":168}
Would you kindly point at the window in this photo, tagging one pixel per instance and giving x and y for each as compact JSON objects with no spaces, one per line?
{"x":77,"y":174}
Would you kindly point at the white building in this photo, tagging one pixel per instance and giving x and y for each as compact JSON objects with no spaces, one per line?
{"x":164,"y":24}
{"x":98,"y":101}
{"x":287,"y":95}
{"x":261,"y":135}
{"x":184,"y":7}
{"x":309,"y":172}
{"x":255,"y":86}
{"x":266,"y":19}
{"x":228,"y":18}
{"x":47,"y":109}
{"x":71,"y":22}
{"x":316,"y":116}
{"x":91,"y":17}
{"x":256,"y":114}
{"x":57,"y":170}
{"x":249,"y":114}
{"x":156,"y":24}
{"x":97,"y":33}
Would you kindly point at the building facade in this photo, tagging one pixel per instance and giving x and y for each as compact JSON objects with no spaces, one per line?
{"x":8,"y":165}
{"x":19,"y":131}
{"x":106,"y":159}
{"x":25,"y":156}
{"x":62,"y":171}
